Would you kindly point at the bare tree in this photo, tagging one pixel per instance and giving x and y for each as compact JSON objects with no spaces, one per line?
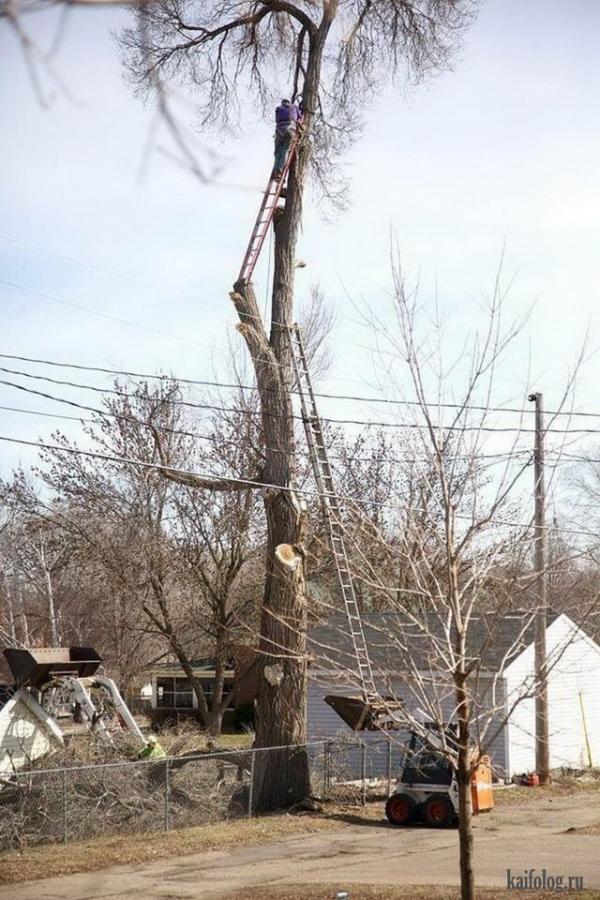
{"x":40,"y":552}
{"x":11,"y":588}
{"x":181,"y":565}
{"x":333,"y":53}
{"x":463,"y":543}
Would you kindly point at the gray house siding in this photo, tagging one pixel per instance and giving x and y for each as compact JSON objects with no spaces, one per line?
{"x":323,"y":722}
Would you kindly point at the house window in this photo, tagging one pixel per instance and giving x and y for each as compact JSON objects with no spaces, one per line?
{"x":208,"y":687}
{"x":174,"y":693}
{"x":177,"y":693}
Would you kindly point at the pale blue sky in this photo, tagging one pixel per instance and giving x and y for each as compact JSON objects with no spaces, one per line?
{"x":503,"y":149}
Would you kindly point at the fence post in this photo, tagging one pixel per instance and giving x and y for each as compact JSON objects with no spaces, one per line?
{"x":251,"y":791}
{"x":64,"y":803}
{"x":326,"y":765}
{"x":363,"y":771}
{"x":389,"y":767}
{"x":167,"y":794}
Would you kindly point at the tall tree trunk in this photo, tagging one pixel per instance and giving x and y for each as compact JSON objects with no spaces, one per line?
{"x":215,"y":717}
{"x":281,"y":706}
{"x":49,"y":597}
{"x":283,"y":776}
{"x":10,"y":616}
{"x":22,"y":613}
{"x":465,"y":807}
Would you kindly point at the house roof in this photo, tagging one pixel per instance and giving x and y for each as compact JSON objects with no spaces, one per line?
{"x":201,"y":668}
{"x":392,"y":639}
{"x":206,"y":662}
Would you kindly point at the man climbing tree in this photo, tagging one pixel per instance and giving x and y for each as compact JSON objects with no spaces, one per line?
{"x":335,"y":52}
{"x":287,"y":117}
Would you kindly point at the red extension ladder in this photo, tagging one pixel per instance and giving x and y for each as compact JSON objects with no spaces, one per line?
{"x":271,"y":196}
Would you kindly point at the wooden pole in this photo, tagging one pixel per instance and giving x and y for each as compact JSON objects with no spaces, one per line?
{"x":542,"y":754}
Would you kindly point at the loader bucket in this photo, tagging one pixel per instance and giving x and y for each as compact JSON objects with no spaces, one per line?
{"x":38,"y":665}
{"x":362,"y":715}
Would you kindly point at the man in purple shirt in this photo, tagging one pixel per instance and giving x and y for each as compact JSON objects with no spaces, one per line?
{"x":287,"y":116}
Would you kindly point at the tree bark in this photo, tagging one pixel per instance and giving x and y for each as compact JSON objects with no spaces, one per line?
{"x":9,"y":610}
{"x":165,"y":627}
{"x":282,"y":778}
{"x":22,"y":613}
{"x":465,"y":808}
{"x":49,"y":596}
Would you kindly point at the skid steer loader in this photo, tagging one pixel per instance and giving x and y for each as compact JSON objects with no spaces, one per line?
{"x":427,"y":789}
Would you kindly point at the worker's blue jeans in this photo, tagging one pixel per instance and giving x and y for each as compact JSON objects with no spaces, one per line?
{"x":283,"y":140}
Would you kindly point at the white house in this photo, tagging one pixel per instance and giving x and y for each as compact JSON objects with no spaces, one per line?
{"x":573,"y":700}
{"x":26,"y":732}
{"x":573,"y":686}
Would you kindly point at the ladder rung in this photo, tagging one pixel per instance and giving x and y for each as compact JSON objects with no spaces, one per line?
{"x":331,"y":508}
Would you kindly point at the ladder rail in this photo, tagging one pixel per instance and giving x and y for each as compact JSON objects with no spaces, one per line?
{"x":251,"y":251}
{"x":261,"y":226}
{"x":324,"y":478}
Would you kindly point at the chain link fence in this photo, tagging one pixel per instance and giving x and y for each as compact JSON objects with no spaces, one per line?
{"x":79,"y":803}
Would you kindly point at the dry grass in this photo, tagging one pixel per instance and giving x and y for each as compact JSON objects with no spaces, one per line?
{"x":187,"y":736}
{"x":392,"y":892}
{"x":102,"y":853}
{"x":561,"y":786}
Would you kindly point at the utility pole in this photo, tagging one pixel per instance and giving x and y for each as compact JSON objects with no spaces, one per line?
{"x":542,"y":754}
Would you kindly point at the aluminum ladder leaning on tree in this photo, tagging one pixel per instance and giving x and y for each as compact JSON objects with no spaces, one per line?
{"x":415,"y":795}
{"x":370,"y":711}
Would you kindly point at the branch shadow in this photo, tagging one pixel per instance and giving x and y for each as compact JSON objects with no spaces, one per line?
{"x":356,"y":819}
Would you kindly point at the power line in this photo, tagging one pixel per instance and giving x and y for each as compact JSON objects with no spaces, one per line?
{"x":335,"y":421}
{"x":131,"y":279}
{"x":93,"y":312}
{"x":47,"y":415}
{"x":250,"y":387}
{"x":350,"y":458}
{"x":149,"y":328}
{"x":578,"y":457}
{"x":250,"y":483}
{"x":222,"y":307}
{"x":106,"y":371}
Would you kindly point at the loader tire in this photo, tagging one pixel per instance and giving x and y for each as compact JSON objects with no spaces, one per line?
{"x":437,"y":811}
{"x":400,"y":809}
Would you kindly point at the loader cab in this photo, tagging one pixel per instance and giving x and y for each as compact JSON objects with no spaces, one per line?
{"x":424,"y":766}
{"x":427,"y":790}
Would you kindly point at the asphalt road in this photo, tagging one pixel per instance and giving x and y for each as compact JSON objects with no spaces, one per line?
{"x":515,"y":838}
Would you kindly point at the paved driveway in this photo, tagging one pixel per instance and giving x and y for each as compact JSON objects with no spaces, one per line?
{"x":515,"y":838}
